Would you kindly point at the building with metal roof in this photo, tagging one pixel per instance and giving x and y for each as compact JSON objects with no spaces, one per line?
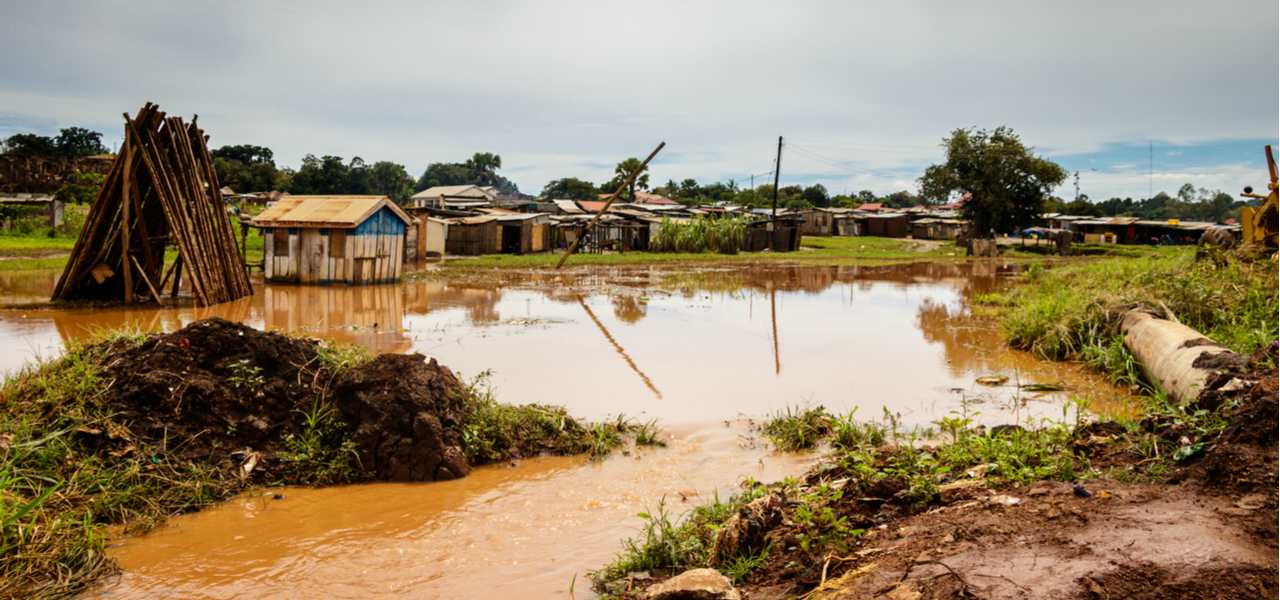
{"x":326,"y":239}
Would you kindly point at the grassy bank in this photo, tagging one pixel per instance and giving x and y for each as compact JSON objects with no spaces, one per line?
{"x":1072,"y":311}
{"x":83,"y":455}
{"x":799,"y":533}
{"x":813,"y":250}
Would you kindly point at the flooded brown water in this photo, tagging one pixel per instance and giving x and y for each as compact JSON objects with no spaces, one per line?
{"x":693,"y":348}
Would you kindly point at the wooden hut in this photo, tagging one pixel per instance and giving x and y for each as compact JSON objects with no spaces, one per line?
{"x":330,"y":239}
{"x":499,"y":233}
{"x":817,"y":221}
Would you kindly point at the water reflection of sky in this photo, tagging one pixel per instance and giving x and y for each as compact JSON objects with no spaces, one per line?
{"x":677,"y":346}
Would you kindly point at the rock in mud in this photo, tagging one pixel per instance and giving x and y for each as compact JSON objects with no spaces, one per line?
{"x":406,"y":416}
{"x":694,"y":584}
{"x":744,"y":532}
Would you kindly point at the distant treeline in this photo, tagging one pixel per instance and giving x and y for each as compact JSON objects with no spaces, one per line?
{"x":1190,"y":204}
{"x":250,"y":168}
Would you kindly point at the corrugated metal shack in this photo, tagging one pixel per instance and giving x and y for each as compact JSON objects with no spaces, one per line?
{"x":325,"y":239}
{"x":817,"y":221}
{"x":425,"y":238}
{"x":890,"y":225}
{"x":499,"y":233}
{"x":932,"y":228}
{"x":785,"y":234}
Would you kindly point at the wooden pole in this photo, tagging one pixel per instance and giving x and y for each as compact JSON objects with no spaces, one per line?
{"x":609,"y":202}
{"x":124,"y":231}
{"x":773,"y":215}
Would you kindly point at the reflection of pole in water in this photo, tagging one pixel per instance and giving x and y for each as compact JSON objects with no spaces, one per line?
{"x":623,"y":353}
{"x":773,"y":319}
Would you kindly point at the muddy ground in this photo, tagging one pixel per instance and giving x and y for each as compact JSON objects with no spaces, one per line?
{"x":1206,"y":529}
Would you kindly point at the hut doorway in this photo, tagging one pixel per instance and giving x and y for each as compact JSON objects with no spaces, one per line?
{"x":511,"y":238}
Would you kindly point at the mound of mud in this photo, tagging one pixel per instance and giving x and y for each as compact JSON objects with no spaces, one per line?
{"x":226,"y":394}
{"x":406,"y":415}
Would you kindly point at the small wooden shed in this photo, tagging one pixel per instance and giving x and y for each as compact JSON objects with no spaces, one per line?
{"x":333,"y":239}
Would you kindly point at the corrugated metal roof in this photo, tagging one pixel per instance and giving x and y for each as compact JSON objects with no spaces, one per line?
{"x":342,"y":212}
{"x":648,"y":198}
{"x":568,"y":206}
{"x":454,"y":191}
{"x":591,"y":205}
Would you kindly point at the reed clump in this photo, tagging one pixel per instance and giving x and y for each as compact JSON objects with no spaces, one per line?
{"x":725,"y":235}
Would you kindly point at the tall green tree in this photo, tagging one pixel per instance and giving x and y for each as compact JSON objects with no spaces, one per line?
{"x":1007,"y":182}
{"x":570,"y":188}
{"x":30,"y":144}
{"x":75,"y":142}
{"x":390,"y":179}
{"x":248,"y":168}
{"x":480,"y":169}
{"x":622,"y":172}
{"x":816,"y":195}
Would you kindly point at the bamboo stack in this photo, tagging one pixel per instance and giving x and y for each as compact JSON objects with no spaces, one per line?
{"x":161,"y":191}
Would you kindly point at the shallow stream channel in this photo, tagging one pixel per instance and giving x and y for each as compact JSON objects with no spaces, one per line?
{"x":705,"y":352}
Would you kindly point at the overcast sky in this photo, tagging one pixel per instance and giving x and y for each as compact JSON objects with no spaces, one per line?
{"x":863,"y":92}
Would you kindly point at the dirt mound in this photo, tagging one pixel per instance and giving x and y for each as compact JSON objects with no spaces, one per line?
{"x":217,"y":385}
{"x":406,"y":415}
{"x":230,"y":395}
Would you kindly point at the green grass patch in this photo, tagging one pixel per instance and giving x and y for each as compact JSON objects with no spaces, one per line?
{"x":495,"y":432}
{"x":813,"y":250}
{"x":1072,"y":311}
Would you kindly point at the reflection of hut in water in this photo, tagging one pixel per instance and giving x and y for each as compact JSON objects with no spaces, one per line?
{"x":429,"y":296}
{"x":323,"y":239}
{"x":370,"y":316}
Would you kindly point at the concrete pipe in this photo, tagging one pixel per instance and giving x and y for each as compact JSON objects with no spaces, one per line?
{"x":1176,"y":358}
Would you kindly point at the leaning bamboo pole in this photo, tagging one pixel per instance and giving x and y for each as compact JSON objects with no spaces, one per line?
{"x":609,"y":202}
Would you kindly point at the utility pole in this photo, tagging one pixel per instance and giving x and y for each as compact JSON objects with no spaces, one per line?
{"x":773,"y":216}
{"x":777,"y":171}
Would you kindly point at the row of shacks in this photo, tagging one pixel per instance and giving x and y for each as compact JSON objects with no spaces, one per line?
{"x":480,"y":220}
{"x":875,"y":220}
{"x":1133,"y":230}
{"x":367,"y":239}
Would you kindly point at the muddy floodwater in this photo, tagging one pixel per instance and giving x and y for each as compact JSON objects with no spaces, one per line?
{"x":703,"y":351}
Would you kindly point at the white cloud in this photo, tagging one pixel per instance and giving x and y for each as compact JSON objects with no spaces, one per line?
{"x":567,"y":89}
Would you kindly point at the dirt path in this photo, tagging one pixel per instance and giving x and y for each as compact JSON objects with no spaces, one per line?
{"x":1149,"y":541}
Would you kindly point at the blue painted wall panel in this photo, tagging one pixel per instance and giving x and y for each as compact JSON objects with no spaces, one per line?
{"x":382,"y":222}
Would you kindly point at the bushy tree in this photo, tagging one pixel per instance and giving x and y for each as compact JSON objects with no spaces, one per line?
{"x":30,"y":144}
{"x":75,"y":142}
{"x":1008,"y":183}
{"x":71,"y":142}
{"x":248,"y":168}
{"x":816,"y":195}
{"x":570,"y":188}
{"x":390,"y":179}
{"x":480,"y":169}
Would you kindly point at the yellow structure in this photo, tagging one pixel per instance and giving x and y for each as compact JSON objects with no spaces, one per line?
{"x":1261,"y":224}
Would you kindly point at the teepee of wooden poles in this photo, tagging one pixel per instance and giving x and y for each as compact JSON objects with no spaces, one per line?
{"x":161,"y":191}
